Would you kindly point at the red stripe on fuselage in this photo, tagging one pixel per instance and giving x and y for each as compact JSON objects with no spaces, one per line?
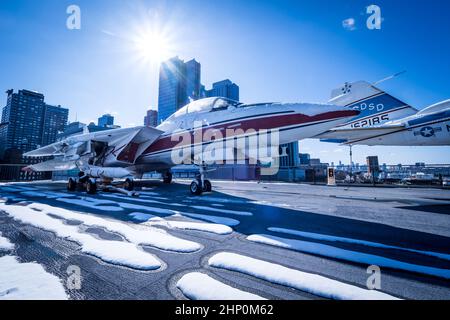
{"x":255,"y":124}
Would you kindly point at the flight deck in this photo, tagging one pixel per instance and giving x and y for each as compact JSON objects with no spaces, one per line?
{"x":263,"y":240}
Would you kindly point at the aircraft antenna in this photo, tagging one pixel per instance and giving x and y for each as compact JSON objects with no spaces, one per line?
{"x":389,"y":78}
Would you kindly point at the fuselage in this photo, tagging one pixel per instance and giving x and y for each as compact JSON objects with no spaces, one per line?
{"x":222,"y":122}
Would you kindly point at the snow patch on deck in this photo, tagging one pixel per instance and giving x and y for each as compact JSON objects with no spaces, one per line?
{"x":115,"y":252}
{"x":5,"y":244}
{"x":308,"y":282}
{"x":200,"y":286}
{"x":347,"y":255}
{"x":318,"y":236}
{"x":28,"y":281}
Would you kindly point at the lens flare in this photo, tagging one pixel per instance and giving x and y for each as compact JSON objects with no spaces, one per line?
{"x":152,"y":46}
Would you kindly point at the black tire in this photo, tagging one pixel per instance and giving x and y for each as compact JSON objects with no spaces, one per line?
{"x":167,"y":177}
{"x":207,"y":187}
{"x":71,"y":185}
{"x":195,"y":188}
{"x":128,"y":185}
{"x":91,"y":187}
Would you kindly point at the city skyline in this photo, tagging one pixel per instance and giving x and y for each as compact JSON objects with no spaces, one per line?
{"x":32,"y":123}
{"x":95,"y":71}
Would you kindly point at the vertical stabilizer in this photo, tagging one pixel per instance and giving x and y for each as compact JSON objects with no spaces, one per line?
{"x":376,"y":106}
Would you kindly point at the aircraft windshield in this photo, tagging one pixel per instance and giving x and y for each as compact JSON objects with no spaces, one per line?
{"x":206,"y":105}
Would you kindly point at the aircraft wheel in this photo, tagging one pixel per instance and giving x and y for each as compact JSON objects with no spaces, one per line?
{"x":207,"y":187}
{"x":167,"y":177}
{"x":91,"y":187}
{"x":195,"y":188}
{"x":128,"y":185}
{"x":71,"y":185}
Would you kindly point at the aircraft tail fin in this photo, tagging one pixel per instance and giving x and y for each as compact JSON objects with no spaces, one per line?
{"x":376,"y":105}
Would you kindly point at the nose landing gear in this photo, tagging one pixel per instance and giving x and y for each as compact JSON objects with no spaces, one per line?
{"x":197,"y":188}
{"x":200,"y":184}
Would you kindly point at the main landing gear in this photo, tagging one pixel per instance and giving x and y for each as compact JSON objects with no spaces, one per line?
{"x":92,"y":185}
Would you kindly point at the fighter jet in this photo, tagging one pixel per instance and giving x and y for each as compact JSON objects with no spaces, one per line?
{"x":385,"y":120}
{"x":211,"y":128}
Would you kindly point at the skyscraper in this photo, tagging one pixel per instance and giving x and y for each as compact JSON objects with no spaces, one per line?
{"x":31,"y":122}
{"x":106,"y":120}
{"x":193,"y":71}
{"x":151,"y":119}
{"x":179,"y":82}
{"x":172,"y":88}
{"x":55,"y":122}
{"x":224,"y":88}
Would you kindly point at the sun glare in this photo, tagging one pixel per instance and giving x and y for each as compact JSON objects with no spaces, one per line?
{"x":153,"y":47}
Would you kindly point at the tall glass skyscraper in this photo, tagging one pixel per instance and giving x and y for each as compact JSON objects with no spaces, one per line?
{"x":179,"y":82}
{"x":193,"y":86}
{"x":31,"y":122}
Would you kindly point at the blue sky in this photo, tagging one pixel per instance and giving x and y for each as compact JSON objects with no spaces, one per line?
{"x":274,"y":50}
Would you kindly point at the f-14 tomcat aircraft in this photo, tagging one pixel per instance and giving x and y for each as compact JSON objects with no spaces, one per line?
{"x":128,"y":153}
{"x":385,"y":120}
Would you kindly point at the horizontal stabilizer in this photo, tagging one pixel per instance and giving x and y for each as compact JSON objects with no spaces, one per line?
{"x":53,"y":165}
{"x":54,"y":149}
{"x":348,"y":136}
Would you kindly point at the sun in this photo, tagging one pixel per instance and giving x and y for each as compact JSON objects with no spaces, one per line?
{"x":152,"y":46}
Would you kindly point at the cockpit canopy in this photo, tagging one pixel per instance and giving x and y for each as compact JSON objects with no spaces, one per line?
{"x":440,"y":106}
{"x":207,"y":105}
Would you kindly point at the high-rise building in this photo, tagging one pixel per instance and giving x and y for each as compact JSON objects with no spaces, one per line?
{"x":224,"y":88}
{"x":31,"y":122}
{"x":151,"y":119}
{"x":193,"y":77}
{"x":179,"y":83}
{"x":106,"y":120}
{"x":55,"y":122}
